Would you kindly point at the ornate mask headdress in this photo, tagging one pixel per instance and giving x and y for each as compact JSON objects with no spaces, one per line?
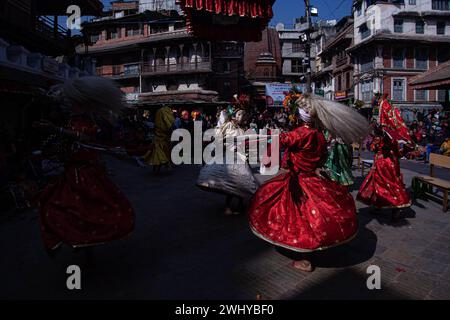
{"x":340,"y":120}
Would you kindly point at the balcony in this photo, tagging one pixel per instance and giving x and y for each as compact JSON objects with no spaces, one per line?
{"x":340,"y":61}
{"x":136,"y":69}
{"x":172,"y":68}
{"x":120,"y":71}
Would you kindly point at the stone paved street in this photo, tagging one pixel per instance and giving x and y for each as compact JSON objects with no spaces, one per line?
{"x":184,"y":248}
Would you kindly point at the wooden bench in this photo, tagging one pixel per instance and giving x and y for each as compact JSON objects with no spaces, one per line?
{"x":431,"y":181}
{"x":357,"y":156}
{"x":365,"y":164}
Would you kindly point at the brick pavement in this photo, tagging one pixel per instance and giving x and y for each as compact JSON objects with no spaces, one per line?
{"x":184,"y":248}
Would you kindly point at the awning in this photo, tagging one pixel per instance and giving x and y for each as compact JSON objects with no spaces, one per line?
{"x":238,"y":20}
{"x":437,"y":78}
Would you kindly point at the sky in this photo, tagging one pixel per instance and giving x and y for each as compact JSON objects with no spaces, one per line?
{"x":287,"y":10}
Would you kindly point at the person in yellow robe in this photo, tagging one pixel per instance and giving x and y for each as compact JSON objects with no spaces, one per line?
{"x":160,"y":154}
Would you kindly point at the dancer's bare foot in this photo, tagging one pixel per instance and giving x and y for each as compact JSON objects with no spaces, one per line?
{"x":303,"y":265}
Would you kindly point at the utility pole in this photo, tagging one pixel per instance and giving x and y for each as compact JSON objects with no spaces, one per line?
{"x":308,"y":46}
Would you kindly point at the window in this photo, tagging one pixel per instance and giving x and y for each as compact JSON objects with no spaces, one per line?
{"x":398,"y":90}
{"x":339,"y":83}
{"x":421,"y":95}
{"x":113,"y":34}
{"x":133,"y":31}
{"x":158,"y":29}
{"x":297,"y":47}
{"x":398,"y":58}
{"x":130,"y":69}
{"x":440,"y":27}
{"x":95,"y":37}
{"x":440,"y":5}
{"x":227,"y":89}
{"x":366,"y":62}
{"x":367,"y":91}
{"x":412,"y":2}
{"x":398,"y":26}
{"x":441,"y":95}
{"x":347,"y":80}
{"x":364,"y":31}
{"x":443,"y":55}
{"x":420,"y":27}
{"x":226,"y":67}
{"x":297,"y":66}
{"x":116,"y":70}
{"x":422,"y":59}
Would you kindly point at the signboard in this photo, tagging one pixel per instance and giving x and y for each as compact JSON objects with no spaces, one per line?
{"x":132,"y":97}
{"x":319,"y":92}
{"x":339,"y":95}
{"x":276,"y":92}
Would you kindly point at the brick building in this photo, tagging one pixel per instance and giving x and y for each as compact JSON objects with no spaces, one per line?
{"x":322,"y":77}
{"x":293,"y":50}
{"x":395,"y":41}
{"x":156,"y":61}
{"x":262,"y":64}
{"x":335,"y":57}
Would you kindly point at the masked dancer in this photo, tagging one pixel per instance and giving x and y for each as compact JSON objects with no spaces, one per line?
{"x":235,"y":180}
{"x":383,"y":188}
{"x":302,"y":210}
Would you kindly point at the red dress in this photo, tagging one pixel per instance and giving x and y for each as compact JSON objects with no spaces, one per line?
{"x":384,"y":187}
{"x":299,"y":210}
{"x":83,"y":206}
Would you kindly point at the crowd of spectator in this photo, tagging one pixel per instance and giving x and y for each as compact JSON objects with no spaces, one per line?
{"x":430,"y":132}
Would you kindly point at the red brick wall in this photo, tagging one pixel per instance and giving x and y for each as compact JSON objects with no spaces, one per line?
{"x":410,"y":58}
{"x":269,"y":43}
{"x":409,"y":91}
{"x":387,"y":81}
{"x":387,"y":56}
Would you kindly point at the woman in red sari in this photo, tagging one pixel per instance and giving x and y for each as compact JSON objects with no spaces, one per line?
{"x":83,"y":207}
{"x":384,"y":187}
{"x":303,"y":210}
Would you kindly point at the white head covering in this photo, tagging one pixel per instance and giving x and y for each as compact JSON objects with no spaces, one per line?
{"x":222,"y":118}
{"x":304,"y":115}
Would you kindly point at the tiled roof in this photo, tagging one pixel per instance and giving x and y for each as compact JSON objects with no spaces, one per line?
{"x":438,"y":77}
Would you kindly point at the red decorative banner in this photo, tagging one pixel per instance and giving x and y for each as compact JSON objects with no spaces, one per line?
{"x":238,"y":20}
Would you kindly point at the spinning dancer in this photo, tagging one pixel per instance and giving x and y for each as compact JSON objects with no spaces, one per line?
{"x":384,"y":187}
{"x":302,"y":210}
{"x":83,"y":207}
{"x":235,"y":180}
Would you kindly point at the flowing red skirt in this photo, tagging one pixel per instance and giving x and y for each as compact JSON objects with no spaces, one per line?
{"x":83,"y":207}
{"x":384,"y":187}
{"x":303,"y":213}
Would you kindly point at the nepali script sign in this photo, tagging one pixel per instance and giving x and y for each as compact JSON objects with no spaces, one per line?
{"x":276,"y":92}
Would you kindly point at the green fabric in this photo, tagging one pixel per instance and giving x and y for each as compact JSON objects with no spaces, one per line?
{"x":339,"y":164}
